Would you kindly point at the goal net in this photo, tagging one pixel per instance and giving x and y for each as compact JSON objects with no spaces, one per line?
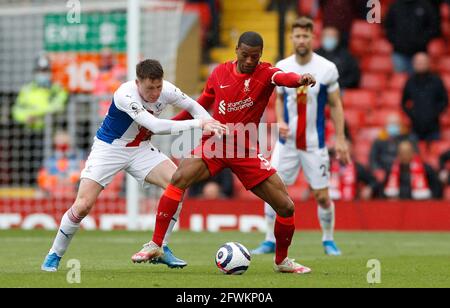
{"x":60,"y":62}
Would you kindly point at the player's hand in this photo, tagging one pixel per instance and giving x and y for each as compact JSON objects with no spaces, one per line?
{"x":443,"y":176}
{"x":212,"y":126}
{"x":306,"y":80}
{"x":284,"y":130}
{"x":342,"y":152}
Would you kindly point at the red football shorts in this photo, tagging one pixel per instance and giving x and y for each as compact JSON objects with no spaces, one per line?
{"x":250,"y":171}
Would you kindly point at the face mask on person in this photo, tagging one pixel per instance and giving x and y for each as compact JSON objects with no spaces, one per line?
{"x":329,"y":43}
{"x":393,"y":130}
{"x":43,"y":79}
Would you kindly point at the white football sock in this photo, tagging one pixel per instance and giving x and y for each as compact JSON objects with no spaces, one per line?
{"x":172,"y":224}
{"x":326,"y":219}
{"x":70,"y":223}
{"x":270,"y":215}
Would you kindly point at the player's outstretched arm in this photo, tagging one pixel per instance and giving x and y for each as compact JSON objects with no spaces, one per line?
{"x":293,"y":80}
{"x":193,"y":108}
{"x":204,"y":101}
{"x":167,"y":127}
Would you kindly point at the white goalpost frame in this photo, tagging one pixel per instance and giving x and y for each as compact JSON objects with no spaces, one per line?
{"x":133,"y":52}
{"x":133,"y":43}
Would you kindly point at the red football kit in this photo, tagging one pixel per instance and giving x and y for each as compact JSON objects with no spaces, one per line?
{"x":239,"y":100}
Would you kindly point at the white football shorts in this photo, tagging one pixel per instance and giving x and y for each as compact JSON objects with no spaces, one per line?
{"x":315,"y":164}
{"x":106,"y":160}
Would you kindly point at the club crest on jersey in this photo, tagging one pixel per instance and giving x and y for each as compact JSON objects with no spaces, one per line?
{"x":247,"y":85}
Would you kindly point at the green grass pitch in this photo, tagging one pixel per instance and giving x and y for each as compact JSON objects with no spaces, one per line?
{"x":407,"y":260}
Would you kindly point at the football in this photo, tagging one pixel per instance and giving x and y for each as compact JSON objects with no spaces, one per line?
{"x":233,"y":258}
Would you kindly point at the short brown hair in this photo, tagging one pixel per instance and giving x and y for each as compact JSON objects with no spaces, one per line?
{"x":149,"y":69}
{"x":304,"y":22}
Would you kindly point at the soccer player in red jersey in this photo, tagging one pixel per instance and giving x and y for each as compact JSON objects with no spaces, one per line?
{"x":239,"y":92}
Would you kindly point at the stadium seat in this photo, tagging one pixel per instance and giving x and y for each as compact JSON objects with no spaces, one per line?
{"x":364,"y":100}
{"x":439,"y":147}
{"x":445,"y":134}
{"x":378,"y":64}
{"x":444,"y":64}
{"x":359,"y":47}
{"x":390,"y":99}
{"x":398,"y":81}
{"x":382,"y":48}
{"x":354,"y":118}
{"x":374,"y":81}
{"x":362,"y":29}
{"x":445,"y":11}
{"x":437,"y":48}
{"x":446,"y":79}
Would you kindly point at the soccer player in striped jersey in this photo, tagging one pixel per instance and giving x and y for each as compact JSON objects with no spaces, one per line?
{"x":301,"y":118}
{"x":123,"y":143}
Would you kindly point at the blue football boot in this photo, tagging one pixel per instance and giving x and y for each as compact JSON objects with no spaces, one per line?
{"x":169,"y":259}
{"x":266,"y":247}
{"x":51,"y":263}
{"x":331,"y":249}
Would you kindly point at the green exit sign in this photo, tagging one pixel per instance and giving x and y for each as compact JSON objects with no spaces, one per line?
{"x":94,"y":32}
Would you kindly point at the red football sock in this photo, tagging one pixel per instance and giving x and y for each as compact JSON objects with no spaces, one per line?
{"x":284,"y":231}
{"x":168,"y":206}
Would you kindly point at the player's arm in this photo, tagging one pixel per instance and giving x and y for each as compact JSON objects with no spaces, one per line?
{"x":205,"y":100}
{"x":283,"y":127}
{"x":292,"y":80}
{"x":160,"y":126}
{"x":337,"y":116}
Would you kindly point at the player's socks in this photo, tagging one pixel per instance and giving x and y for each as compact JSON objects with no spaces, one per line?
{"x":326,"y":219}
{"x":172,"y":224}
{"x":167,"y":208}
{"x":70,"y":223}
{"x":284,"y":231}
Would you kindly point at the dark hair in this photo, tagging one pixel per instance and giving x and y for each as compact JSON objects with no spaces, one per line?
{"x":149,"y":69}
{"x":304,"y":22}
{"x":251,"y":39}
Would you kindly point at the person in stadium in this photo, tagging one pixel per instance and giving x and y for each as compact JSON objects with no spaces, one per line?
{"x":301,"y":118}
{"x":238,"y":92}
{"x":123,"y":143}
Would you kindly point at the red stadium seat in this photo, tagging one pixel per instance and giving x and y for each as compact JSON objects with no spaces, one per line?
{"x":391,"y":99}
{"x":447,"y":193}
{"x":374,"y":81}
{"x":362,"y":29}
{"x":444,"y":65}
{"x":359,"y":47}
{"x":382,"y":48}
{"x":354,"y":118}
{"x":445,"y":134}
{"x":437,"y":48}
{"x":398,"y":81}
{"x":445,"y":118}
{"x":439,"y":147}
{"x":446,"y":80}
{"x":377,"y":64}
{"x":445,"y":11}
{"x":359,"y":99}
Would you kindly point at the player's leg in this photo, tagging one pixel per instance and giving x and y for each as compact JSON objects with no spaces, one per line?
{"x":190,"y":171}
{"x":70,"y":222}
{"x":273,"y":191}
{"x":161,"y":176}
{"x":286,"y":161}
{"x":316,"y":168}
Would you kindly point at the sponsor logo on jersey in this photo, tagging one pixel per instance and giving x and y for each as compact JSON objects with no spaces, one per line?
{"x":222,"y":107}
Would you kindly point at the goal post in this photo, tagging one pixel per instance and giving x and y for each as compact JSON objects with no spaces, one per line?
{"x":75,"y":36}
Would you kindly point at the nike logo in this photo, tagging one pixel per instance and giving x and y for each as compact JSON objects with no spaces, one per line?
{"x":66,"y":235}
{"x":223,"y":87}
